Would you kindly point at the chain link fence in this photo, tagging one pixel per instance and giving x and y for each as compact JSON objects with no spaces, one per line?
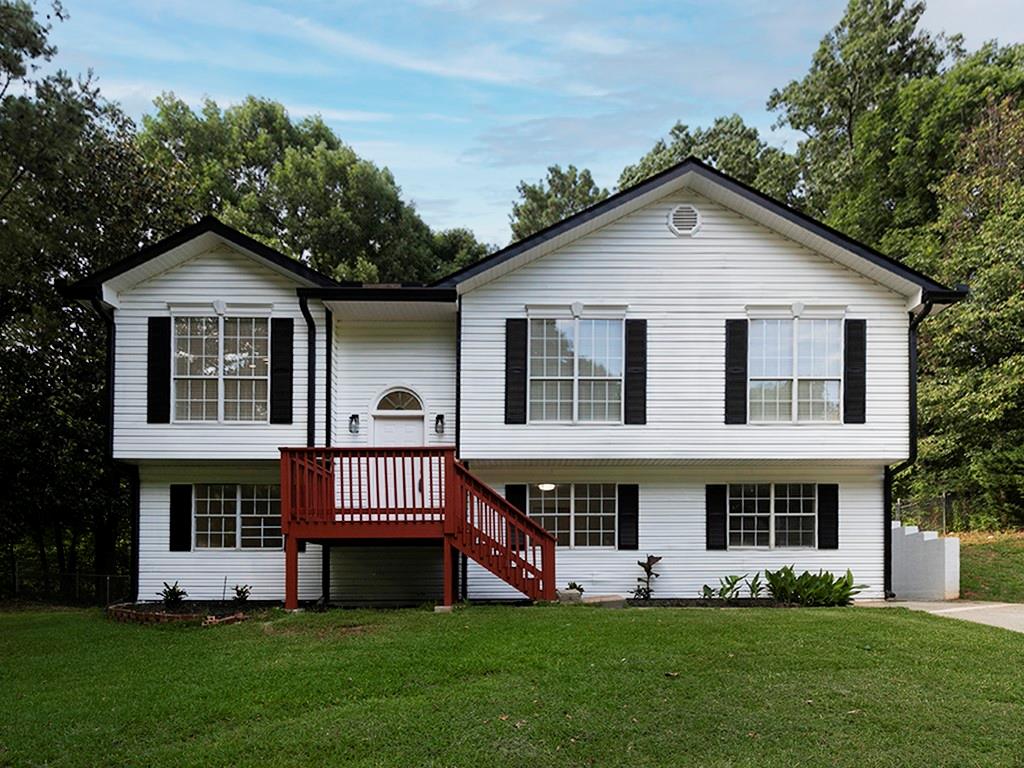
{"x":26,"y":581}
{"x":947,"y":513}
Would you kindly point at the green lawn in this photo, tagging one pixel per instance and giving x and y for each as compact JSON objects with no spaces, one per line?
{"x":992,"y":566}
{"x":513,"y":687}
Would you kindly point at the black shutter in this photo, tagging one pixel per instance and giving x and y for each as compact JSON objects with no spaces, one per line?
{"x":158,"y":371}
{"x":629,"y":517}
{"x":715,"y":516}
{"x":828,"y":516}
{"x":854,"y":372}
{"x":282,"y":364}
{"x":636,"y":372}
{"x":516,"y":496}
{"x":735,"y":371}
{"x":181,"y":518}
{"x":515,"y":370}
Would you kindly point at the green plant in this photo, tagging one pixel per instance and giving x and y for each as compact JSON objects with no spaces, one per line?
{"x":575,"y":585}
{"x":755,"y":586}
{"x":708,"y":592}
{"x":811,"y":589}
{"x":242,"y":592}
{"x":172,"y":595}
{"x":729,"y":587}
{"x":643,"y":589}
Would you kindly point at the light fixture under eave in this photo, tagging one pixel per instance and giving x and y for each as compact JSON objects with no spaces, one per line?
{"x":545,"y":487}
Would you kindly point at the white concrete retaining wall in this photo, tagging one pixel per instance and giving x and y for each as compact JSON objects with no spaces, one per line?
{"x":924,"y":565}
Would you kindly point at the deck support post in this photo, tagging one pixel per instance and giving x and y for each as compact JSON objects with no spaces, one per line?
{"x":291,"y":573}
{"x":449,"y":571}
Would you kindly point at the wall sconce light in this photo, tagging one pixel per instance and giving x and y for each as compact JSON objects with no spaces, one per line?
{"x":439,"y":424}
{"x":353,"y":423}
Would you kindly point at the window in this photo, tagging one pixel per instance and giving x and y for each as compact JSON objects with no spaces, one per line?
{"x":576,"y":370}
{"x":577,"y":515}
{"x":773,"y":515}
{"x":238,"y":516}
{"x":795,"y":355}
{"x":400,"y":400}
{"x":221,"y":368}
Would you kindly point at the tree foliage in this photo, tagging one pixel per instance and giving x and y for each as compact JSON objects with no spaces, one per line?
{"x":731,"y":146}
{"x":562,"y":193}
{"x":972,"y":357}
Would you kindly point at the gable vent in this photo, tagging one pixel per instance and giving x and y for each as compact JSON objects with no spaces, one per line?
{"x":684,"y":220}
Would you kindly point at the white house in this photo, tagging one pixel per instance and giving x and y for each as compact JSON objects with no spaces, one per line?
{"x":687,"y":369}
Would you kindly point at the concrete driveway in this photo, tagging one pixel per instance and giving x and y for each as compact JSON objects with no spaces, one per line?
{"x":1006,"y":615}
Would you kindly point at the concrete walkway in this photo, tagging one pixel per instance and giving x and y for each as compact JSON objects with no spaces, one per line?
{"x":1006,"y":615}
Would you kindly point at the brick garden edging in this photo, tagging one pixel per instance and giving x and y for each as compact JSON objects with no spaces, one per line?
{"x":128,"y":613}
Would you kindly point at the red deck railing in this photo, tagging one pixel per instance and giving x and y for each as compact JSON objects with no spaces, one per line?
{"x":379,"y":493}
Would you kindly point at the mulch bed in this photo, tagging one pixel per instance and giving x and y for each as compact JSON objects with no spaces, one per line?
{"x":208,"y":614}
{"x":699,"y":602}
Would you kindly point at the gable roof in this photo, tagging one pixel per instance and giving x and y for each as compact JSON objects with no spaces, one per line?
{"x":207,"y":231}
{"x":724,"y":189}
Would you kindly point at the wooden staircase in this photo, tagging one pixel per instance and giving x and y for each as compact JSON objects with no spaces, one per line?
{"x":410,"y":493}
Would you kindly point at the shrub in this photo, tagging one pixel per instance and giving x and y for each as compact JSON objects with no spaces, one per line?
{"x":811,"y":589}
{"x":755,"y":586}
{"x":242,"y":592}
{"x":729,"y":587}
{"x":575,"y":585}
{"x":172,"y":595}
{"x":643,"y":589}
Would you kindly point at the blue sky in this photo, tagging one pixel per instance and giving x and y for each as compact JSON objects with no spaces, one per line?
{"x":463,"y":98}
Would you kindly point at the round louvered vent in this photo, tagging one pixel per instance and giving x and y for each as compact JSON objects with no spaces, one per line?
{"x":684,"y":220}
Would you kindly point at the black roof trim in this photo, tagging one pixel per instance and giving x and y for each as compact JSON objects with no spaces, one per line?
{"x":692,"y":164}
{"x":201,"y":227}
{"x":383,"y":293}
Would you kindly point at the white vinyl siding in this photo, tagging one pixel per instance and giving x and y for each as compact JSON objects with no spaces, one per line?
{"x":207,"y":574}
{"x":672,"y":525}
{"x":221,"y":274}
{"x":686,"y":288}
{"x":371,"y":358}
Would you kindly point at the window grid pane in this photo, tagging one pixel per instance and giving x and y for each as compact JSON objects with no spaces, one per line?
{"x":552,"y":509}
{"x":216,"y":516}
{"x":770,"y":348}
{"x":196,"y":370}
{"x":261,"y":517}
{"x":749,"y":515}
{"x":771,"y":400}
{"x":594,"y":515}
{"x":795,"y":515}
{"x":819,"y":349}
{"x":246,"y":369}
{"x":817,"y":400}
{"x":551,"y":370}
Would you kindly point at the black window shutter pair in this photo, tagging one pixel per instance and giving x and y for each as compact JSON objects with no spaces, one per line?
{"x":628,"y":524}
{"x":854,"y":371}
{"x":716,"y":516}
{"x":635,"y":395}
{"x":158,"y":370}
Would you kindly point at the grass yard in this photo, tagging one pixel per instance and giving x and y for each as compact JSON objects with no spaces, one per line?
{"x":992,"y":566}
{"x":513,"y":687}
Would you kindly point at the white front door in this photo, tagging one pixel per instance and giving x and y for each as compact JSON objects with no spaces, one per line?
{"x":398,"y":431}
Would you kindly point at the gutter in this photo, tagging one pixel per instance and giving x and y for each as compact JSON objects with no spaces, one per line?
{"x":930,"y":299}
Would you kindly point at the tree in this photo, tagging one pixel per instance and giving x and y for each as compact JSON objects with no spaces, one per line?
{"x":729,"y":145}
{"x":74,"y":195}
{"x":874,"y":49}
{"x":295,"y":186}
{"x":561,"y":194}
{"x":972,"y":357}
{"x":907,"y":145}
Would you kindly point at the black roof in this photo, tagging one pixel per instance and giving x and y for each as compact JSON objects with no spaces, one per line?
{"x":87,"y":287}
{"x":936,"y":291}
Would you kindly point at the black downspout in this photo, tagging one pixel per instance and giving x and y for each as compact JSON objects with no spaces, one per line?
{"x":891,"y":472}
{"x":117,"y":467}
{"x":325,"y":548}
{"x":463,"y":560}
{"x":310,"y":372}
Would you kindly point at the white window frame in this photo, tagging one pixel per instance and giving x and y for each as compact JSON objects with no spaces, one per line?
{"x":208,"y":311}
{"x":547,"y":313}
{"x":238,"y":520}
{"x":572,"y":517}
{"x":794,"y":314}
{"x":771,"y":517}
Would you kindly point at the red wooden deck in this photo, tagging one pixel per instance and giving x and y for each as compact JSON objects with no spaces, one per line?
{"x":411,"y":493}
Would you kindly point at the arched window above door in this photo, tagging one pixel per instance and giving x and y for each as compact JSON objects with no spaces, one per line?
{"x":400,"y":400}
